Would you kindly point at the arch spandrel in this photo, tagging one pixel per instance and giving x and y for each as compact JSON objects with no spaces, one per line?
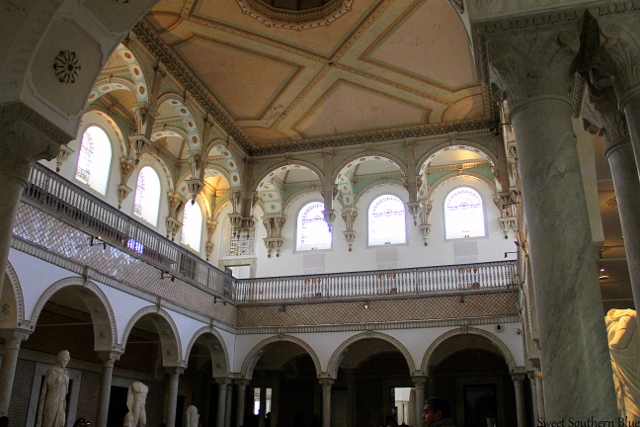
{"x":12,"y":301}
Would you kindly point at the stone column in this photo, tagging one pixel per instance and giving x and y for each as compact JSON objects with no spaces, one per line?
{"x":108,"y":360}
{"x":520,"y":413}
{"x":228,"y":401}
{"x":351,"y":398}
{"x":533,"y":65}
{"x":222,"y":397}
{"x":624,"y":172}
{"x":13,"y":338}
{"x":25,"y":137}
{"x":534,"y":403}
{"x":172,"y":395}
{"x":326,"y":384}
{"x":263,"y":405}
{"x":419,"y":383}
{"x":275,"y":399}
{"x":242,"y":398}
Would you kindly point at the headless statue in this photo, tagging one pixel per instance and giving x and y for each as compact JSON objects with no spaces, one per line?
{"x":53,"y":397}
{"x":624,"y":348}
{"x":136,"y":399}
{"x":193,"y":418}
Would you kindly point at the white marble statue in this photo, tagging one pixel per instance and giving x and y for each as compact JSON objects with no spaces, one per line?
{"x":136,"y":399}
{"x":193,"y":418}
{"x":53,"y":397}
{"x":624,"y":347}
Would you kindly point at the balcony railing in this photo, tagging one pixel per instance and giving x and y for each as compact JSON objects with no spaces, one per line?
{"x":52,"y":193}
{"x":49,"y":191}
{"x":442,"y":279}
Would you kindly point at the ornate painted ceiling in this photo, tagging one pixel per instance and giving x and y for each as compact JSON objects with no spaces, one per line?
{"x":382,"y":69}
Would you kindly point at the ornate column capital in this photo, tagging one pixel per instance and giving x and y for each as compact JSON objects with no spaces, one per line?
{"x":14,"y":337}
{"x":419,"y":380}
{"x":109,"y":358}
{"x":326,"y":382}
{"x":25,"y":138}
{"x":534,"y":62}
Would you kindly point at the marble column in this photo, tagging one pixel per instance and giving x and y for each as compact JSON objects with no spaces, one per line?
{"x":228,"y":401}
{"x":172,"y":395}
{"x":351,"y":398}
{"x":573,"y":341}
{"x":326,"y":384}
{"x":520,"y":412}
{"x":624,"y":173}
{"x":222,"y":397}
{"x":13,"y":338}
{"x":242,"y":398}
{"x":419,"y":383}
{"x":275,"y":399}
{"x":263,"y":405}
{"x":534,"y":395}
{"x":25,"y":137}
{"x":540,"y":395}
{"x":108,"y":360}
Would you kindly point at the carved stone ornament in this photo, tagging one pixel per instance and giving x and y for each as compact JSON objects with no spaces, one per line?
{"x":536,"y":62}
{"x":458,"y":5}
{"x":295,"y":19}
{"x":66,"y":66}
{"x":6,"y":308}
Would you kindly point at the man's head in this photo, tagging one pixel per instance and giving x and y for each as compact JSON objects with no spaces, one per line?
{"x":63,"y":358}
{"x":435,"y":408}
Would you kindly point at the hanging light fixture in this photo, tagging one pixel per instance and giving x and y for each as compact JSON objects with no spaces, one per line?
{"x":603,"y":275}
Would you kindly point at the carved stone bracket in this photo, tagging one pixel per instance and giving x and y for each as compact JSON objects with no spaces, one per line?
{"x":506,"y":202}
{"x":173,"y":226}
{"x":414,"y":210}
{"x":138,"y":144}
{"x":195,"y":186}
{"x":123,"y":192}
{"x":330,"y":217}
{"x":62,"y":156}
{"x":349,"y":215}
{"x":274,"y":240}
{"x":211,"y":228}
{"x":426,"y":206}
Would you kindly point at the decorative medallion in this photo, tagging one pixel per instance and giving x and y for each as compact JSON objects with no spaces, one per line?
{"x":6,"y":308}
{"x":102,"y":334}
{"x":66,"y":66}
{"x":306,"y":14}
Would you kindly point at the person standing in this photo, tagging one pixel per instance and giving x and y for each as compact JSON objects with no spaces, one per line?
{"x":437,"y":413}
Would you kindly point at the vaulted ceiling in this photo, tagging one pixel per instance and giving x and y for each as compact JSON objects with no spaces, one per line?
{"x":380,"y":69}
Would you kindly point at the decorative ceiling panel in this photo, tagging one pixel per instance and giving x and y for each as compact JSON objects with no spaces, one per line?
{"x":384,"y":69}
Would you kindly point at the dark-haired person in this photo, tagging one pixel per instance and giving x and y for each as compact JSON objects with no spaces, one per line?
{"x":437,"y":413}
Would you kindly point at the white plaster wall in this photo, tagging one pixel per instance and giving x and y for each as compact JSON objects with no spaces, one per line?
{"x":124,"y":307}
{"x":230,"y":342}
{"x":363,"y":258}
{"x":187,"y":327}
{"x":35,"y":276}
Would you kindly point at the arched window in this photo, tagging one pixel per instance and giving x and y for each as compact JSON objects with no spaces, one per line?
{"x":147,"y":200}
{"x":94,"y":159}
{"x":313,"y":232}
{"x":192,"y":225}
{"x":387,"y":224}
{"x":464,"y":214}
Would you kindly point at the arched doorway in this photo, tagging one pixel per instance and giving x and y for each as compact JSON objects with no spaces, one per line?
{"x":471,"y":373}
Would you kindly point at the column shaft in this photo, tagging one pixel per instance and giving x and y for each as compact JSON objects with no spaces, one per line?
{"x":263,"y":405}
{"x":624,"y":173}
{"x":520,"y":413}
{"x":534,"y":402}
{"x":573,"y":339}
{"x":10,"y":192}
{"x":229,"y":401}
{"x":326,"y":402}
{"x":419,"y":383}
{"x":630,"y":104}
{"x":8,"y":368}
{"x":172,"y":396}
{"x":108,"y":360}
{"x":222,"y":397}
{"x":242,"y":389}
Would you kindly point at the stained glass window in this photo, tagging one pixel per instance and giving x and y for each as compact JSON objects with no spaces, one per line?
{"x":312,"y":231}
{"x":146,"y":202}
{"x":464,"y":214}
{"x":387,"y":224}
{"x":94,"y":159}
{"x":192,"y":225}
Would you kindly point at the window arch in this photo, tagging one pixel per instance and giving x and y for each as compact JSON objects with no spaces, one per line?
{"x":192,"y":225}
{"x":387,"y":223}
{"x":312,"y":230}
{"x":94,"y":159}
{"x":464,"y":214}
{"x":146,"y":202}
